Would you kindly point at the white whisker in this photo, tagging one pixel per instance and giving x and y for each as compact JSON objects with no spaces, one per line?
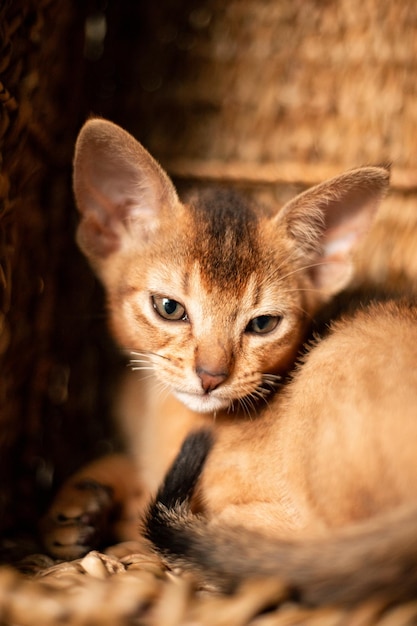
{"x":242,"y":404}
{"x":144,"y":363}
{"x":297,"y":270}
{"x":274,"y":378}
{"x":231,"y":408}
{"x":162,"y":389}
{"x":149,"y":355}
{"x":247,"y":405}
{"x":146,"y":378}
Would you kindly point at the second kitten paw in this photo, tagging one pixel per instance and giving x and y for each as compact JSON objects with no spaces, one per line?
{"x":78,"y":519}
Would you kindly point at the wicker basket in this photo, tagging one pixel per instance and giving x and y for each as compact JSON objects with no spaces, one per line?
{"x":267,"y":95}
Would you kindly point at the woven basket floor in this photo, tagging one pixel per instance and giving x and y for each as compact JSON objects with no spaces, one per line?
{"x":127,"y":585}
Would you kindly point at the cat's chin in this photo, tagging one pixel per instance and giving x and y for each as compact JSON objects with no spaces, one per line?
{"x":202,"y":404}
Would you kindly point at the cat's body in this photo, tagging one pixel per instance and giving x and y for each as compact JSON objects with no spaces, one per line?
{"x":327,"y":475}
{"x":211,"y":297}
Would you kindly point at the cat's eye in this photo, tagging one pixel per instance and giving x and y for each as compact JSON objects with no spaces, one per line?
{"x":263,"y":324}
{"x":169,"y":309}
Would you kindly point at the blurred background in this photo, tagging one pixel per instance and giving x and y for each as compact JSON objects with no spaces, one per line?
{"x":267,"y":95}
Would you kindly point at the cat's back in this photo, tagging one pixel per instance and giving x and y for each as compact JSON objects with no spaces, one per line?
{"x":367,"y":356}
{"x":352,"y":408}
{"x":378,"y":335}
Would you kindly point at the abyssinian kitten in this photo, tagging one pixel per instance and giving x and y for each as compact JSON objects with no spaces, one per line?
{"x":211,"y":298}
{"x":320,"y":491}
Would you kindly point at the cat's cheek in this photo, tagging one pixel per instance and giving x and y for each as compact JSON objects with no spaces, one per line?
{"x":132,"y":329}
{"x":279,"y":356}
{"x":284,"y":361}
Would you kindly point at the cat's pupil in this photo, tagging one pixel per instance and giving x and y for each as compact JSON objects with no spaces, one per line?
{"x":170,"y":306}
{"x":263,"y":324}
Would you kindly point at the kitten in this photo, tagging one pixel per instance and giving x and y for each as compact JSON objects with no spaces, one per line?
{"x":321,"y":489}
{"x":211,"y":298}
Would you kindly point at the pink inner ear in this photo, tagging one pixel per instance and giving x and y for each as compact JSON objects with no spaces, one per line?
{"x":340,"y":243}
{"x":347,"y":205}
{"x":96,"y":241}
{"x":119,"y":188}
{"x":341,"y":235}
{"x":115,"y":188}
{"x":120,"y":175}
{"x":339,"y":240}
{"x":332,"y":274}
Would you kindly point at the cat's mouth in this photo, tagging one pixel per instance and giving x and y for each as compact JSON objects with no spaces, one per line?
{"x":206,"y":403}
{"x":210,"y":403}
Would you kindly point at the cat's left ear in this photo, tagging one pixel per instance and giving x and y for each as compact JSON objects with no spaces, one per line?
{"x":119,"y":189}
{"x":327,"y":221}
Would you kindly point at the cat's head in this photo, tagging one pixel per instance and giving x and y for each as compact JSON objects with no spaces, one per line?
{"x":213,"y":293}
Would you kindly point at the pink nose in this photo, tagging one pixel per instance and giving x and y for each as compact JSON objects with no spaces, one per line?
{"x":210,"y":380}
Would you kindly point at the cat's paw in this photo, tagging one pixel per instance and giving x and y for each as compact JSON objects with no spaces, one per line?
{"x":78,"y":519}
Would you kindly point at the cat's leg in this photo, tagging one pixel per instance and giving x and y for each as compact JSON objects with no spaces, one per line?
{"x":100,"y":502}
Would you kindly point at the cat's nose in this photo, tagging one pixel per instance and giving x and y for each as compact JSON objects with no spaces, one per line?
{"x":210,"y":380}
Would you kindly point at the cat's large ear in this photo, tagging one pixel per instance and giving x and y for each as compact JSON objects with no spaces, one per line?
{"x":119,"y":189}
{"x":328,"y":220}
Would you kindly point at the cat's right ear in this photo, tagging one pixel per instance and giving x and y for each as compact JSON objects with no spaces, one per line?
{"x":327,"y":221}
{"x":119,"y":189}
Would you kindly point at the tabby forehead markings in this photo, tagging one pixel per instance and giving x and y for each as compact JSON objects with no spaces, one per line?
{"x":208,"y":318}
{"x":185,"y":283}
{"x":227,"y":245}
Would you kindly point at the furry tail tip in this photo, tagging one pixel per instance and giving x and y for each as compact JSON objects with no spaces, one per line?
{"x":174,"y":495}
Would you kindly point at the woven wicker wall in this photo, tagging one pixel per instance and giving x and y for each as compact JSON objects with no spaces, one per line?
{"x":269,"y":94}
{"x":48,"y":297}
{"x":24,"y":143}
{"x":283,"y":82}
